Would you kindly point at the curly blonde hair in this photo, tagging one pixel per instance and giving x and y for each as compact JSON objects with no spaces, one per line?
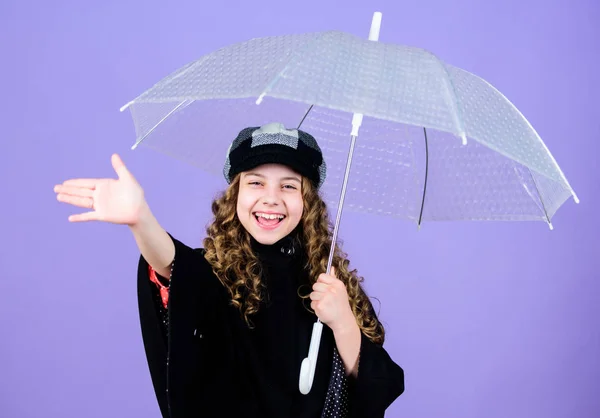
{"x":228,"y":250}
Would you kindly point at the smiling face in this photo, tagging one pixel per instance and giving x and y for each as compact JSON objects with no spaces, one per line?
{"x":269,"y":203}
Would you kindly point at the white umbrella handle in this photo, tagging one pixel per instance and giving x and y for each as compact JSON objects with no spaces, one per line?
{"x":309,"y":364}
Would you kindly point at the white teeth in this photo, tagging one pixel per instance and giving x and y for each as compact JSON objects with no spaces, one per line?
{"x":269,"y":216}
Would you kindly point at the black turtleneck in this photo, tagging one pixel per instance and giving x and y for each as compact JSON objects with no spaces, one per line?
{"x":283,"y":325}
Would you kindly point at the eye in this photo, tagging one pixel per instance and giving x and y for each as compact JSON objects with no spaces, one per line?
{"x":254,"y":183}
{"x":289,"y":187}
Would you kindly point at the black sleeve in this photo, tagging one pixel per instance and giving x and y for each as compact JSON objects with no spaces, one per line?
{"x":378,"y":383}
{"x":191,"y":293}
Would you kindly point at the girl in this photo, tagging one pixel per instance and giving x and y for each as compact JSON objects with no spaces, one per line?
{"x":226,"y":327}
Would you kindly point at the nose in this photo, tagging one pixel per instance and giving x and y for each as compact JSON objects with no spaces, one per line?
{"x":271,"y":196}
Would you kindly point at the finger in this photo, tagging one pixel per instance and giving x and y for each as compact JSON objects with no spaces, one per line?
{"x":82,"y":202}
{"x":74,"y":191}
{"x":325,"y":278}
{"x":321,"y":287}
{"x":314,"y":305}
{"x":84,"y":217}
{"x":119,"y":166}
{"x":316,"y":296}
{"x":89,"y":183}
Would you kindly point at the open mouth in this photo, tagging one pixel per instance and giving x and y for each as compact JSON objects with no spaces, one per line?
{"x":268,"y":220}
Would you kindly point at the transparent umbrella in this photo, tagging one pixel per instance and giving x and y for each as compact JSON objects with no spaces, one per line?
{"x":437,"y":143}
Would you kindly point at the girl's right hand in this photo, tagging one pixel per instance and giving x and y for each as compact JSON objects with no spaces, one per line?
{"x":118,"y":201}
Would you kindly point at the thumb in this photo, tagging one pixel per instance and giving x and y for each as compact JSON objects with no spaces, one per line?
{"x":119,"y":166}
{"x":333,"y":272}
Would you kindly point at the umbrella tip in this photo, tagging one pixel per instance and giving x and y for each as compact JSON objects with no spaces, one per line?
{"x":125,"y":106}
{"x":463,"y":136}
{"x":575,"y":198}
{"x":375,"y":27}
{"x":550,"y":226}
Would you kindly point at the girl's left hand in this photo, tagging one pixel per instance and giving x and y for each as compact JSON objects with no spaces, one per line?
{"x":330,"y":302}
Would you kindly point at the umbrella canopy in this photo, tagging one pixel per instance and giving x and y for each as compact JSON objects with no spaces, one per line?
{"x":436,"y":142}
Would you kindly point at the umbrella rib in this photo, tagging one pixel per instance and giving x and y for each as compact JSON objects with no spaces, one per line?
{"x":426,"y":172}
{"x":541,"y":199}
{"x":175,"y":109}
{"x":453,"y":97}
{"x":294,"y":56}
{"x":305,"y":115}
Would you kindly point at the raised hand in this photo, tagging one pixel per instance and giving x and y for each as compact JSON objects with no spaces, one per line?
{"x":118,"y":201}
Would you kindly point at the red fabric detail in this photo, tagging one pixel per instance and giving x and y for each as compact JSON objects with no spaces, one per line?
{"x":164,"y":291}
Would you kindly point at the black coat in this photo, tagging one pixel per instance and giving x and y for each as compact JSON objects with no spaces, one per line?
{"x":202,"y":362}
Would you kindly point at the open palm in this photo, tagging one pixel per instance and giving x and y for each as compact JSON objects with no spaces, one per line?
{"x":117,"y":201}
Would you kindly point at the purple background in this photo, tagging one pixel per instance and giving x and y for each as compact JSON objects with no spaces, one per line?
{"x":488,"y":319}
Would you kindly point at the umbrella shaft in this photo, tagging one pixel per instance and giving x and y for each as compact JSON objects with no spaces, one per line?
{"x":341,"y":204}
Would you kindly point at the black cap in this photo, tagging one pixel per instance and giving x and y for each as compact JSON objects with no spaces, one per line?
{"x":273,"y":143}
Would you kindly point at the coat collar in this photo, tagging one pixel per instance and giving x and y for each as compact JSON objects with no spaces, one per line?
{"x":286,"y":249}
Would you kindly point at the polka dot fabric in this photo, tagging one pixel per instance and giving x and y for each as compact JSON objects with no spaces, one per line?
{"x":336,"y":401}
